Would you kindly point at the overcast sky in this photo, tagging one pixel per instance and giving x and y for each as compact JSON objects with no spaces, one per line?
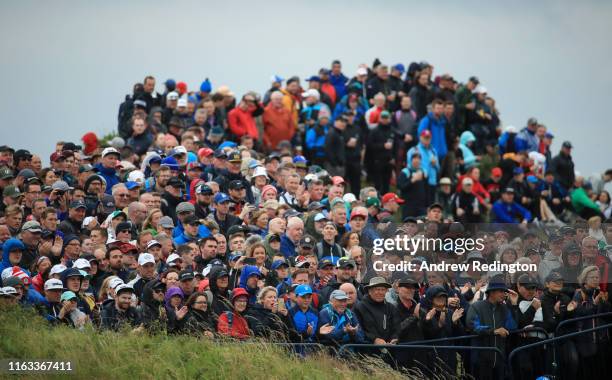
{"x":67,"y":65}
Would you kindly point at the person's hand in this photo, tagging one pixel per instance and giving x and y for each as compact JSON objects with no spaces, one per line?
{"x":58,"y":244}
{"x":433,"y":161}
{"x":480,"y":283}
{"x":391,"y":97}
{"x":524,"y":200}
{"x":536,"y":303}
{"x":309,"y":329}
{"x":556,"y":201}
{"x":393,"y":341}
{"x":513,"y":296}
{"x":388,"y":145}
{"x":476,"y":211}
{"x":261,"y":284}
{"x":567,"y":199}
{"x":501,"y":332}
{"x":466,"y":287}
{"x":470,"y":106}
{"x":180,"y":313}
{"x":209,"y":334}
{"x":417,"y":311}
{"x":44,"y":248}
{"x":326,"y":329}
{"x":430,"y":314}
{"x":264,"y":270}
{"x":350,"y":329}
{"x":379,"y":341}
{"x":604,"y":296}
{"x":407,"y":138}
{"x":81,"y":320}
{"x":93,"y":223}
{"x":453,"y":301}
{"x":239,"y":263}
{"x":557,"y":307}
{"x":460,"y":211}
{"x":352,"y":142}
{"x":572,"y":306}
{"x":544,"y":193}
{"x":457,"y":314}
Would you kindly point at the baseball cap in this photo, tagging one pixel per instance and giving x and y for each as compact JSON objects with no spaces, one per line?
{"x":426,"y":133}
{"x":172,"y":258}
{"x":234,"y":156}
{"x":110,"y":150}
{"x":185,"y":207}
{"x":567,"y":144}
{"x":359,"y":212}
{"x":325,"y":262}
{"x":338,"y":295}
{"x":509,"y":190}
{"x":361,"y":71}
{"x":236,"y":185}
{"x":203,"y":189}
{"x":153,"y":243}
{"x":319,"y":217}
{"x":390,"y":197}
{"x":53,"y":284}
{"x":26,"y":173}
{"x":186,"y":275}
{"x":131,"y":185}
{"x":6,"y":173}
{"x":445,"y":181}
{"x":60,"y":185}
{"x":205,"y":152}
{"x":32,"y":226}
{"x":496,"y":172}
{"x":278,"y":263}
{"x":77,"y":204}
{"x":303,"y":290}
{"x":311,"y":92}
{"x":145,"y":258}
{"x":67,"y":296}
{"x":385,"y":114}
{"x":176,"y":183}
{"x":191,"y":220}
{"x":166,"y":222}
{"x":553,"y":277}
{"x":313,"y":78}
{"x":518,"y":170}
{"x":221,"y":197}
{"x":81,"y":264}
{"x":467,"y":181}
{"x":57,"y":269}
{"x":345,"y":262}
{"x":526,"y":281}
{"x":12,"y":191}
{"x":307,"y":242}
{"x":372,"y":201}
{"x":124,"y":288}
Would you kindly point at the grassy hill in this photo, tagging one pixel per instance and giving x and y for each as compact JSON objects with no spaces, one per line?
{"x":124,"y":355}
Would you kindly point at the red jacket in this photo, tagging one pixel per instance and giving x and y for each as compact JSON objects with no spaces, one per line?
{"x":237,"y":328}
{"x":242,"y":123}
{"x":477,"y":189}
{"x":278,"y":126}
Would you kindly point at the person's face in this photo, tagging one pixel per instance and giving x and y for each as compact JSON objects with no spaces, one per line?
{"x":435,"y":214}
{"x":439,"y":302}
{"x":449,"y":110}
{"x":292,"y":184}
{"x":269,"y":300}
{"x":357,"y":223}
{"x":496,"y":296}
{"x":73,"y":249}
{"x":175,"y":301}
{"x":223,"y":282}
{"x":589,"y":249}
{"x":240,"y":304}
{"x":252,"y":282}
{"x":200,"y":303}
{"x":138,"y":127}
{"x":237,"y":243}
{"x":191,"y":229}
{"x":555,"y":286}
{"x":282,"y":272}
{"x":30,"y":239}
{"x":260,"y":255}
{"x":508,"y":197}
{"x":187,"y":286}
{"x":115,"y":259}
{"x":573,"y":259}
{"x":122,"y":197}
{"x":221,"y":243}
{"x":53,"y":295}
{"x":222,"y":208}
{"x":209,"y":249}
{"x":110,"y":161}
{"x":592,"y":280}
{"x":527,"y":293}
{"x":295,"y":231}
{"x":339,"y":216}
{"x":147,"y":271}
{"x":163,"y":177}
{"x":32,"y":193}
{"x":14,"y":220}
{"x":172,"y":279}
{"x":15,"y":256}
{"x":73,"y":283}
{"x":339,"y":305}
{"x":329,"y":232}
{"x":316,"y":192}
{"x":405,"y":292}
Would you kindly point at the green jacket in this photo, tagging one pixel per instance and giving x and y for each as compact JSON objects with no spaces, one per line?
{"x":580,"y":200}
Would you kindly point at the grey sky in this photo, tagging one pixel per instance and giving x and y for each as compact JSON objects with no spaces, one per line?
{"x":66,"y":65}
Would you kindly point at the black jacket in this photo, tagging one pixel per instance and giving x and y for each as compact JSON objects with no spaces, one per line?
{"x":408,"y":329}
{"x":332,"y":285}
{"x":221,"y":299}
{"x":196,"y":322}
{"x":379,"y":320}
{"x":152,"y":312}
{"x":375,"y":150}
{"x":550,"y":318}
{"x":335,"y":147}
{"x":113,"y":319}
{"x":353,"y":155}
{"x":563,"y":167}
{"x":169,"y":203}
{"x":265,"y":323}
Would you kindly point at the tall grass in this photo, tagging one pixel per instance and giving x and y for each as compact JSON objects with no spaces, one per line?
{"x":125,"y":355}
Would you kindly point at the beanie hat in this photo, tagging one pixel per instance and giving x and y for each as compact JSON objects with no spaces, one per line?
{"x":90,"y":140}
{"x":267,"y":189}
{"x":206,"y":86}
{"x":18,"y":273}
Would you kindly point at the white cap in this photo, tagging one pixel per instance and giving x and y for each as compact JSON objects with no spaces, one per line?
{"x":311,"y":92}
{"x":57,"y":269}
{"x":260,"y":170}
{"x":172,"y":95}
{"x":349,"y":197}
{"x":180,"y":150}
{"x":124,"y":287}
{"x":467,"y":181}
{"x":361,"y":71}
{"x":480,"y":90}
{"x":110,"y":150}
{"x":153,"y":242}
{"x":8,"y":291}
{"x":145,"y":258}
{"x":182,"y":102}
{"x":136,"y":176}
{"x":53,"y":284}
{"x":116,"y":281}
{"x":81,"y":264}
{"x":127,"y":165}
{"x":86,"y":221}
{"x":510,"y":129}
{"x":172,"y":258}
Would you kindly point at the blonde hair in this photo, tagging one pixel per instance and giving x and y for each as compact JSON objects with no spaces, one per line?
{"x":264,"y":291}
{"x":585,"y":272}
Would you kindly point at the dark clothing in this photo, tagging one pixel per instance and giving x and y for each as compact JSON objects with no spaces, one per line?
{"x":378,"y":319}
{"x":332,"y":285}
{"x":378,"y":158}
{"x":152,"y":312}
{"x":196,"y":322}
{"x":113,"y":319}
{"x":169,"y":203}
{"x":265,"y":323}
{"x":563,"y":167}
{"x":70,"y":227}
{"x":415,"y":193}
{"x":335,"y":148}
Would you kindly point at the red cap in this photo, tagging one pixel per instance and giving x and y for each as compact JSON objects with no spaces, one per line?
{"x":56,"y":156}
{"x":391,"y":197}
{"x":337,"y":180}
{"x":181,"y":87}
{"x":239,"y":292}
{"x":205,"y":152}
{"x":426,"y":133}
{"x":496,"y":172}
{"x":359,"y":212}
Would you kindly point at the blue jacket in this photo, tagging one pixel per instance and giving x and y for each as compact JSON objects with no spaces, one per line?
{"x":316,"y":142}
{"x":526,"y":140}
{"x":508,"y":212}
{"x":438,"y":133}
{"x":329,"y":316}
{"x":426,"y":155}
{"x":287,"y":247}
{"x":178,"y":233}
{"x":247,"y":272}
{"x":301,"y":320}
{"x":9,"y":245}
{"x":342,"y":106}
{"x":110,"y":176}
{"x":339,"y":82}
{"x":469,"y":159}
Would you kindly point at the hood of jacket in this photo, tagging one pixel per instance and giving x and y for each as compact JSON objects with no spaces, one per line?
{"x":7,"y":247}
{"x":173,"y":291}
{"x":467,"y":137}
{"x":247,"y":272}
{"x":147,"y":294}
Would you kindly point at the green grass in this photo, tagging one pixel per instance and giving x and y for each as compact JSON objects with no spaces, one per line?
{"x":108,"y":355}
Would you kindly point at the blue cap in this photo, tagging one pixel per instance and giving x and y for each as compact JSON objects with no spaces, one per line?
{"x":299,"y":160}
{"x":277,"y":263}
{"x":532,"y":179}
{"x":549,"y":135}
{"x":253,"y":163}
{"x":313,"y":78}
{"x":170,"y":84}
{"x":399,"y":67}
{"x":206,"y":86}
{"x":518,"y":170}
{"x":227,"y":144}
{"x":277,"y":78}
{"x":333,"y":259}
{"x":170,"y":162}
{"x":131,"y":185}
{"x":303,"y":290}
{"x":221,"y":197}
{"x":235,"y":256}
